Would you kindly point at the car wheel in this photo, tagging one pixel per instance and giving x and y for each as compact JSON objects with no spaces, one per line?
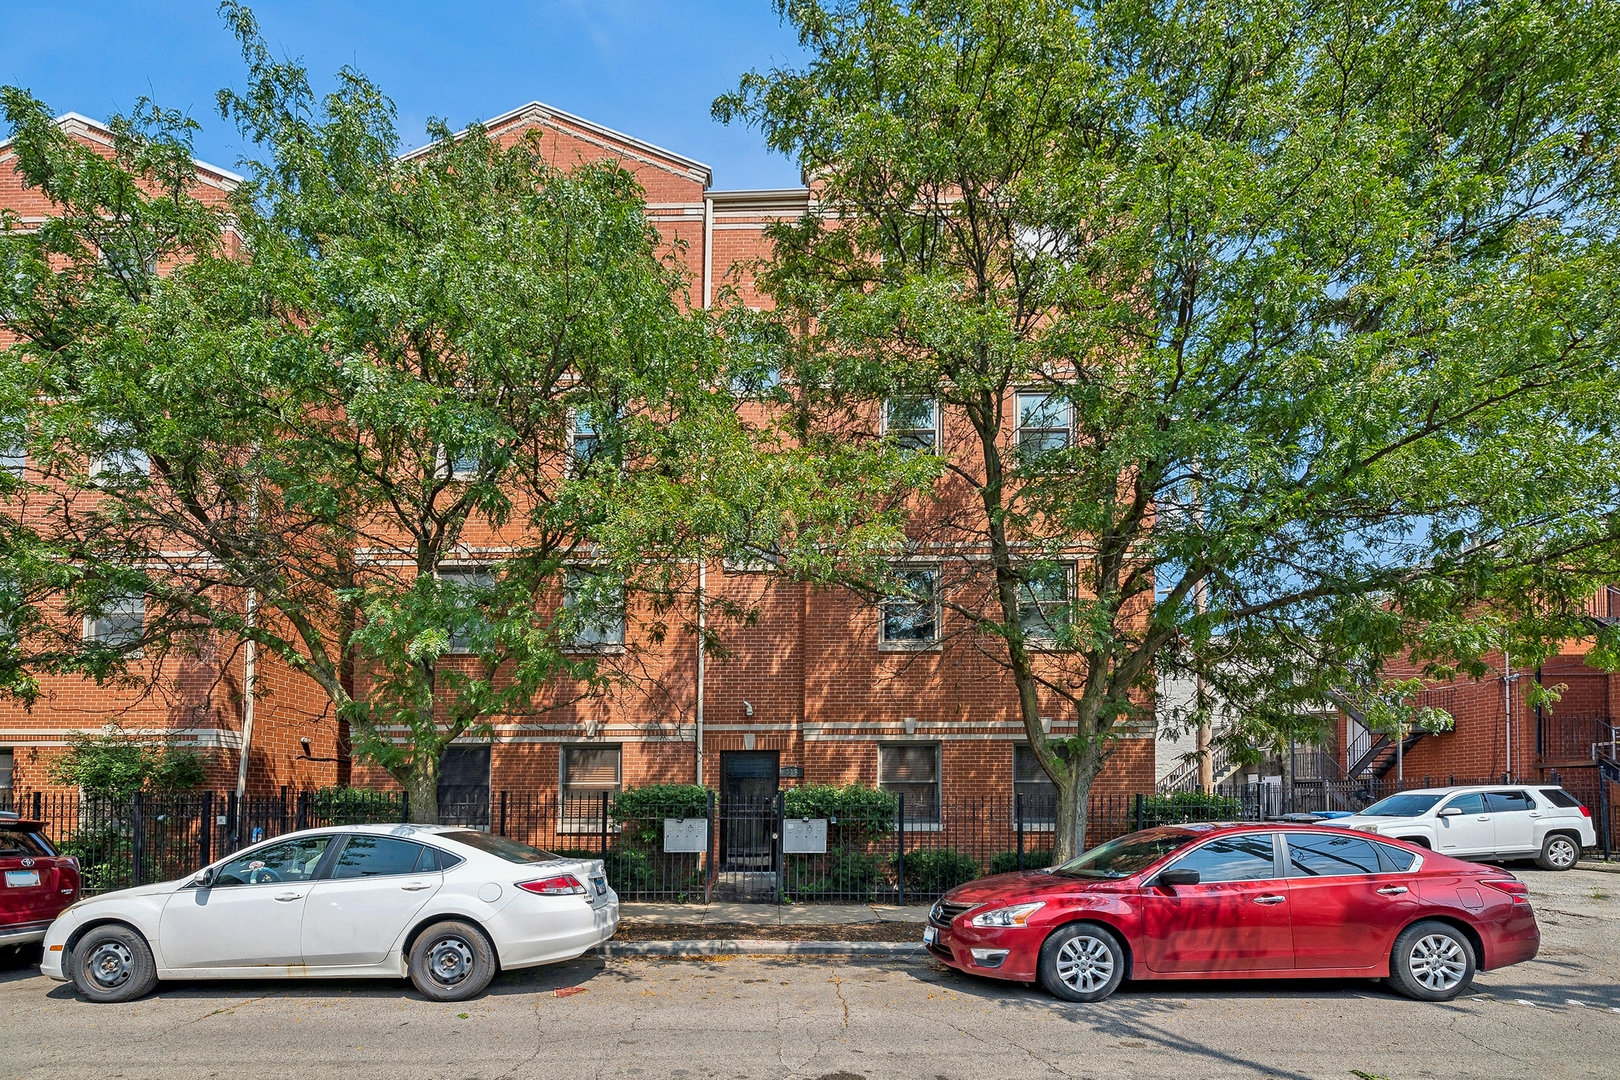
{"x":1558,"y":852}
{"x":1081,"y":962}
{"x":113,"y":963}
{"x":451,"y":961}
{"x":1431,"y":961}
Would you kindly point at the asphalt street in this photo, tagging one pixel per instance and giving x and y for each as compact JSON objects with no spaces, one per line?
{"x":1558,"y":1016}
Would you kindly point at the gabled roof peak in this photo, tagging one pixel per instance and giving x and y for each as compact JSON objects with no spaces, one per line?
{"x":86,"y":127}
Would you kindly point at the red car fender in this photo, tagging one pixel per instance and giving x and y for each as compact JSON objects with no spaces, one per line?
{"x":1114,"y":910}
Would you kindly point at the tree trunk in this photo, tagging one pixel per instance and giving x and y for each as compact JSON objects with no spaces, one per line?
{"x":1074,"y":805}
{"x":422,"y":787}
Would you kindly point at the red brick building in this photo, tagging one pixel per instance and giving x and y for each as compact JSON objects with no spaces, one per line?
{"x":811,"y":693}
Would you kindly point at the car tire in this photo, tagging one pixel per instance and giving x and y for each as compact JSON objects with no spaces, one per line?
{"x":1081,"y":962}
{"x":1559,"y":852}
{"x":113,"y":963}
{"x":1431,"y":961}
{"x":451,"y":961}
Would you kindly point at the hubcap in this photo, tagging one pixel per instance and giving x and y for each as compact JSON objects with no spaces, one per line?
{"x":1438,"y":962}
{"x":1085,"y":964}
{"x":449,"y":961}
{"x":1562,"y":853}
{"x":110,"y":964}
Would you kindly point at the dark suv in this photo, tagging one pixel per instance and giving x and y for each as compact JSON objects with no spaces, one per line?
{"x":36,"y":881}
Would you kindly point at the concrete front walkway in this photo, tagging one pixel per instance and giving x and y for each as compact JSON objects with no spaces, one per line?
{"x":773,"y":914}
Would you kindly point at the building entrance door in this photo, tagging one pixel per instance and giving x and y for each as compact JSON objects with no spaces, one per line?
{"x":748,"y":841}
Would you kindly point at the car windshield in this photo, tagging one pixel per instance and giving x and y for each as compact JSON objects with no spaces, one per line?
{"x":1408,"y":805}
{"x":1126,"y":855}
{"x":501,"y":847}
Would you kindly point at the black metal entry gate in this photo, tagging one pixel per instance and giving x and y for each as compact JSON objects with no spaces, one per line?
{"x":750,"y":827}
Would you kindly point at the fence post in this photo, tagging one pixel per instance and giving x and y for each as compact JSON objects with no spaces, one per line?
{"x":303,"y":810}
{"x":779,"y":842}
{"x":604,"y":828}
{"x":38,"y":813}
{"x":233,"y":821}
{"x":205,"y":835}
{"x":708,"y":858}
{"x":1603,"y":816}
{"x":281,"y":825}
{"x":900,"y":843}
{"x":503,"y":813}
{"x":1018,"y":813}
{"x":404,"y":807}
{"x":1140,"y":810}
{"x":137,"y":845}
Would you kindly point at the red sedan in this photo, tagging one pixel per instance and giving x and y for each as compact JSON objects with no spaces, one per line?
{"x":1255,"y":901}
{"x":36,"y":882}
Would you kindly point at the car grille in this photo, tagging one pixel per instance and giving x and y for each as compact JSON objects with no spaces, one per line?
{"x":943,"y":912}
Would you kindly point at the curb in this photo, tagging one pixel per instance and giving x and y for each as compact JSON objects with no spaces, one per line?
{"x":757,"y":947}
{"x":1600,"y":867}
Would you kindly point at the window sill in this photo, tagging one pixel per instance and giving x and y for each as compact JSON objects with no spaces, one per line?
{"x":910,"y":646}
{"x":593,"y":650}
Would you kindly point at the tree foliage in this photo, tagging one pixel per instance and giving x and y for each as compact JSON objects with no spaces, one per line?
{"x":1324,"y":292}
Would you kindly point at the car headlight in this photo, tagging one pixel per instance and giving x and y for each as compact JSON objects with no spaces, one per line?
{"x":1016,"y":915}
{"x":1369,"y":827}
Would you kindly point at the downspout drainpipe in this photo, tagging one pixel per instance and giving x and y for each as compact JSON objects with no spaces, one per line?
{"x":703,"y":562}
{"x":249,"y":666}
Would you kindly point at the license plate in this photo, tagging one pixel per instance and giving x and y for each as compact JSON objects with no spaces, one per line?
{"x":601,"y":886}
{"x":21,"y":879}
{"x":930,"y":935}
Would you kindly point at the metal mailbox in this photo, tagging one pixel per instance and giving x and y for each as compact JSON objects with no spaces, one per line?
{"x":686,"y":834}
{"x":804,"y":836}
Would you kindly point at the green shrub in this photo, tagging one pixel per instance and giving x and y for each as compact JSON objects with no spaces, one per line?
{"x":353,"y":806}
{"x":855,"y":814}
{"x":640,"y":812}
{"x":854,"y":875}
{"x":1184,"y":806}
{"x":936,"y":870}
{"x":1006,"y":862}
{"x":116,"y":765}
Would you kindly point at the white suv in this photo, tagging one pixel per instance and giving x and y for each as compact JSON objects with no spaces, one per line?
{"x":1501,"y":821}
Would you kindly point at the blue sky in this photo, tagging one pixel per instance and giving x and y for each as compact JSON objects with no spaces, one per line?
{"x":649,"y":68}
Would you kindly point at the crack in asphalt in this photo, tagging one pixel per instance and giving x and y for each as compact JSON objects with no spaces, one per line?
{"x":172,"y":1028}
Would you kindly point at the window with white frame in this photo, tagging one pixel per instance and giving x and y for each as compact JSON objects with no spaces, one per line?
{"x":120,"y":623}
{"x":1043,"y":422}
{"x":13,"y":450}
{"x":1039,"y":794}
{"x":7,"y":771}
{"x":594,"y":603}
{"x":470,"y":586}
{"x":912,"y":770}
{"x":587,"y":773}
{"x":1045,"y":599}
{"x":912,"y":422}
{"x":117,"y":458}
{"x":910,"y":616}
{"x":585,"y":441}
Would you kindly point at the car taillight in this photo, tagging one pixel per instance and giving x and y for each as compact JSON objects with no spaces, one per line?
{"x":561,"y":885}
{"x":1513,"y":887}
{"x":1585,"y":812}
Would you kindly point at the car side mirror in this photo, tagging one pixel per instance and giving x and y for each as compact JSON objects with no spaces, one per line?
{"x":1451,"y":811}
{"x":1177,"y":877}
{"x":205,"y":877}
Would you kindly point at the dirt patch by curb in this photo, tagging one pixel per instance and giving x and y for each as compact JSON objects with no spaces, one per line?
{"x":631,"y":930}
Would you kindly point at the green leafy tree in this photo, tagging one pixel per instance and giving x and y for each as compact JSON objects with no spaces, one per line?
{"x":327,"y":392}
{"x":117,"y":765}
{"x":1319,"y":300}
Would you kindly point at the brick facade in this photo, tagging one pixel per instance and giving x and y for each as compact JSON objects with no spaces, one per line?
{"x":807,"y":680}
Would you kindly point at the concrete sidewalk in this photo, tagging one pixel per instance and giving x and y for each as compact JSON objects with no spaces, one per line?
{"x":772,"y":914}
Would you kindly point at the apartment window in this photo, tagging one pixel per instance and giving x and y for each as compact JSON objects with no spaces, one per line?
{"x":595,"y":604}
{"x":910,"y":615}
{"x":1043,"y":422}
{"x":117,"y":459}
{"x":119,"y":624}
{"x":8,"y":764}
{"x":1031,"y":781}
{"x":912,"y":422}
{"x":459,"y":464}
{"x":588,"y":772}
{"x":585,"y":442}
{"x":1045,"y":593}
{"x":912,"y":770}
{"x":754,"y":560}
{"x":468,"y":585}
{"x":13,"y":451}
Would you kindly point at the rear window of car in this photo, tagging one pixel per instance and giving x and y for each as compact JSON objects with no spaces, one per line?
{"x":1559,"y":797}
{"x":16,"y":842}
{"x":1396,"y":860}
{"x":1401,"y":806}
{"x":500,"y":847}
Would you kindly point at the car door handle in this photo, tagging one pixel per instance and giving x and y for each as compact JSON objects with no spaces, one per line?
{"x":1269,"y":899}
{"x":1392,"y":890}
{"x":289,"y":897}
{"x":416,"y":886}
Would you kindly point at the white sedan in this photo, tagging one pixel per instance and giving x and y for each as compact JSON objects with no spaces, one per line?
{"x":441,"y":905}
